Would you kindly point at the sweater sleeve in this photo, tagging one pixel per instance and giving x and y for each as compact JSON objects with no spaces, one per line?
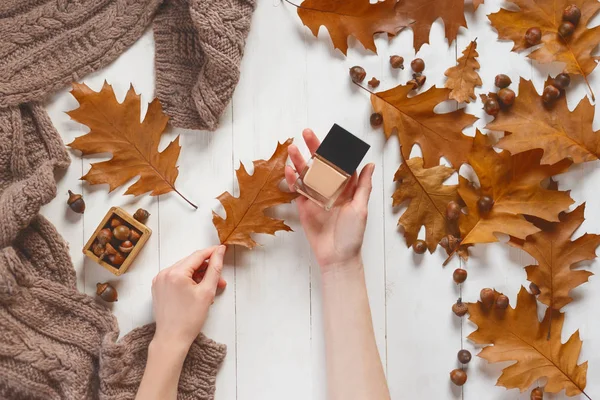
{"x":122,"y":366}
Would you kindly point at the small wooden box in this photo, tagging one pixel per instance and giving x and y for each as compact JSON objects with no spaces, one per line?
{"x":145,"y":233}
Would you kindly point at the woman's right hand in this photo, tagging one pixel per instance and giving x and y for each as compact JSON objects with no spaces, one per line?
{"x":335,"y":236}
{"x":182,"y":295}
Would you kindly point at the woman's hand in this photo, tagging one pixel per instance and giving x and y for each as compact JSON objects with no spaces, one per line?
{"x":182,"y":295}
{"x":335,"y":236}
{"x":354,"y":369}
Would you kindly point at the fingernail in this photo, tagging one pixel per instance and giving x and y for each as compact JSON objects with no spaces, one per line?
{"x":221,"y":250}
{"x":372,"y":168}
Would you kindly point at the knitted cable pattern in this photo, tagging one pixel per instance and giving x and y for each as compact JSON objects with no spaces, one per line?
{"x":199,"y":42}
{"x":47,"y":44}
{"x":55,"y":342}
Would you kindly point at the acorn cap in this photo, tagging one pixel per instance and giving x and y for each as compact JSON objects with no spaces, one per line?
{"x":106,"y":292}
{"x":73,"y":197}
{"x":100,"y":288}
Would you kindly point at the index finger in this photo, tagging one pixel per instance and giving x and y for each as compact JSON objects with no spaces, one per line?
{"x":192,"y":262}
{"x":214,"y":269}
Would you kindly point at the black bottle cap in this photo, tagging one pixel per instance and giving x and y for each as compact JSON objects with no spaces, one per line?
{"x":343,"y":149}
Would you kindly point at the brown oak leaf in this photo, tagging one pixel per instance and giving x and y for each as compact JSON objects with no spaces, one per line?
{"x":557,"y":254}
{"x":477,"y":3}
{"x":425,"y":12}
{"x":359,"y":18}
{"x":438,"y":135}
{"x":575,"y":51}
{"x":513,"y":182}
{"x":116,"y":128}
{"x":557,"y":131}
{"x":517,"y":335}
{"x":428,"y":197}
{"x":245,"y":214}
{"x":463,"y":77}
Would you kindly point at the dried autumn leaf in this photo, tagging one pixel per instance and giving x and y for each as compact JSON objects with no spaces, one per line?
{"x":259,"y":191}
{"x":116,"y":128}
{"x":428,"y":197}
{"x":439,"y":135}
{"x":425,"y":12}
{"x":513,"y":182}
{"x":518,"y":335}
{"x":557,"y":254}
{"x":463,"y":77}
{"x":557,"y":131}
{"x":477,"y":3}
{"x":358,"y":18}
{"x":575,"y":51}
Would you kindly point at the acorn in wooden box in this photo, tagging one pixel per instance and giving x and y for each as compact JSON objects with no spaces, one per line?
{"x":117,"y":241}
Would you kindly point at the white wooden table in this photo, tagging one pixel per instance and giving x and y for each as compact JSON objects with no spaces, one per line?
{"x":270,"y":314}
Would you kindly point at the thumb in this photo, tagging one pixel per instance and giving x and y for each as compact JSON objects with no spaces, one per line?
{"x":215,"y":266}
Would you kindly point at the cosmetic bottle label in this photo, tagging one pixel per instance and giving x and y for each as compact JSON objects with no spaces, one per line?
{"x":323,"y":178}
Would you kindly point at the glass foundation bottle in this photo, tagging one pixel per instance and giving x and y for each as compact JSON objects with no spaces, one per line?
{"x":331,"y":167}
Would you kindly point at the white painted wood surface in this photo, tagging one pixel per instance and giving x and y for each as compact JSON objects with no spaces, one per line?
{"x":270,"y":314}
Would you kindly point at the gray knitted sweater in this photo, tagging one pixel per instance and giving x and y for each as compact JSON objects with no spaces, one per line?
{"x":57,"y":343}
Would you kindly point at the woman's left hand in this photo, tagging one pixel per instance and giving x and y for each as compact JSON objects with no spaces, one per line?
{"x":183,"y":293}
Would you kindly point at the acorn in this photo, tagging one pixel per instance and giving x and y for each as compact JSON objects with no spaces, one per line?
{"x":533,"y":36}
{"x":376,"y":120}
{"x":459,"y":308}
{"x":121,"y":232}
{"x":76,"y":202}
{"x":537,"y":394}
{"x":449,"y":243}
{"x":141,"y":215}
{"x":116,"y":259}
{"x":418,"y":65}
{"x":535,"y":290}
{"x":491,"y":107}
{"x":420,"y":79}
{"x":502,"y":81}
{"x":464,"y":356}
{"x":502,"y":302}
{"x":459,"y":275}
{"x":134,"y":236}
{"x":397,"y":62}
{"x":562,"y":81}
{"x":98,"y":249}
{"x":572,"y":14}
{"x":104,"y":236}
{"x":452,"y":211}
{"x":107,"y":292}
{"x":458,"y":377}
{"x":566,"y":29}
{"x":506,"y":96}
{"x":485,"y":204}
{"x":110,"y":249}
{"x":126,"y":247}
{"x":551,"y":93}
{"x":115,"y":222}
{"x":357,"y":74}
{"x":417,"y":81}
{"x":419,"y":247}
{"x":487,"y":297}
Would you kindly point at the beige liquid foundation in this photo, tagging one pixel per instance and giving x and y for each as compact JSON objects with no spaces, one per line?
{"x":331,"y":167}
